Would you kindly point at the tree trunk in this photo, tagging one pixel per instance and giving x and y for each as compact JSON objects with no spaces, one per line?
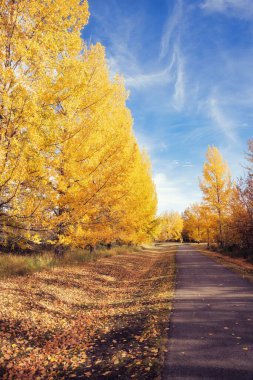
{"x":90,"y":247}
{"x":220,"y":231}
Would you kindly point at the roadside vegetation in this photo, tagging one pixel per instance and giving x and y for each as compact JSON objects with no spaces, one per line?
{"x":23,"y":264}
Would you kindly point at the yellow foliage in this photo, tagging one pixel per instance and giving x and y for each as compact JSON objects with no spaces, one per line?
{"x":199,"y":223}
{"x":71,"y":170}
{"x":226,"y":212}
{"x":216,"y":187}
{"x":170,"y":226}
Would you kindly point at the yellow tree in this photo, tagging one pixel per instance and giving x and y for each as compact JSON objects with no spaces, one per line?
{"x":216,"y":187}
{"x":33,"y":40}
{"x":98,"y":164}
{"x":199,"y":223}
{"x":208,"y":223}
{"x":138,"y":205}
{"x":171,"y":226}
{"x":192,"y":223}
{"x":71,"y":168}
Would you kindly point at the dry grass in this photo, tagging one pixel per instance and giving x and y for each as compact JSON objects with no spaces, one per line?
{"x":104,"y":319}
{"x":14,"y":265}
{"x":22,"y":265}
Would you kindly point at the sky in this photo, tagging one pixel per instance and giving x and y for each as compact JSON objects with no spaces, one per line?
{"x":188,"y":66}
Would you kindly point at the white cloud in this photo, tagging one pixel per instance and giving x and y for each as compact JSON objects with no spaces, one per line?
{"x":170,"y":46}
{"x":140,"y":80}
{"x":236,"y":8}
{"x":136,"y":78}
{"x":174,"y":194}
{"x":223,"y":122}
{"x":146,"y":142}
{"x":171,"y":28}
{"x":167,"y":72}
{"x":179,"y":89}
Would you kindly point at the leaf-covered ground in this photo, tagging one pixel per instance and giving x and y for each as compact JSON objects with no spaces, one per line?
{"x":106,"y":319}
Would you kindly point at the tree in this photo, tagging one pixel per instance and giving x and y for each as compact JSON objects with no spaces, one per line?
{"x":198,"y":223}
{"x":33,"y":40}
{"x":216,"y":187}
{"x":98,"y":173}
{"x":241,"y":221}
{"x":171,"y":226}
{"x":71,"y":169}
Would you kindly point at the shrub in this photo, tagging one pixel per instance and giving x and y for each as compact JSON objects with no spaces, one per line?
{"x":77,"y":256}
{"x":16,"y":265}
{"x":21,"y":265}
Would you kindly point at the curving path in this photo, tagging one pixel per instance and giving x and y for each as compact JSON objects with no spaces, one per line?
{"x":211,"y":330}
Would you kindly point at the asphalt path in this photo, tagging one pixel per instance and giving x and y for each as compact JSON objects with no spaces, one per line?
{"x":211,"y":328}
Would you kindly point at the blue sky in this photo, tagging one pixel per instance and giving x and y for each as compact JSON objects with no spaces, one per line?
{"x":188,"y":65}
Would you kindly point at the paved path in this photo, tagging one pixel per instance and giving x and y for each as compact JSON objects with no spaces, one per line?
{"x":211,"y":331}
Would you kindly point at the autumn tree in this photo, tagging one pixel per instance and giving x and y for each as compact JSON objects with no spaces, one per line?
{"x":98,"y":173}
{"x":71,"y":169}
{"x":192,"y":223}
{"x":216,"y":187}
{"x":241,"y":219}
{"x":171,"y":226}
{"x":226,"y":212}
{"x":32,"y":40}
{"x":139,"y":204}
{"x":198,"y":223}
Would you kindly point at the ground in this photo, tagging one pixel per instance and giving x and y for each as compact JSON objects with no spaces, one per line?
{"x":104,"y":319}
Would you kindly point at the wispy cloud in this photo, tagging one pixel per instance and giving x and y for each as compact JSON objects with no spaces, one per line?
{"x":140,"y":80}
{"x":171,"y":29}
{"x":190,"y":79}
{"x":170,"y":46}
{"x":179,"y":88}
{"x":188,"y":164}
{"x":166,"y":73}
{"x":235,"y":8}
{"x":124,"y":58}
{"x":223,"y":122}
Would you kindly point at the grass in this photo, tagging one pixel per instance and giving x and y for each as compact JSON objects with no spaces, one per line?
{"x":103,"y":319}
{"x":14,"y":265}
{"x":22,"y":265}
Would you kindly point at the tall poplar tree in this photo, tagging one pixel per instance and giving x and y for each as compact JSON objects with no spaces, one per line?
{"x":216,"y":187}
{"x":71,"y":171}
